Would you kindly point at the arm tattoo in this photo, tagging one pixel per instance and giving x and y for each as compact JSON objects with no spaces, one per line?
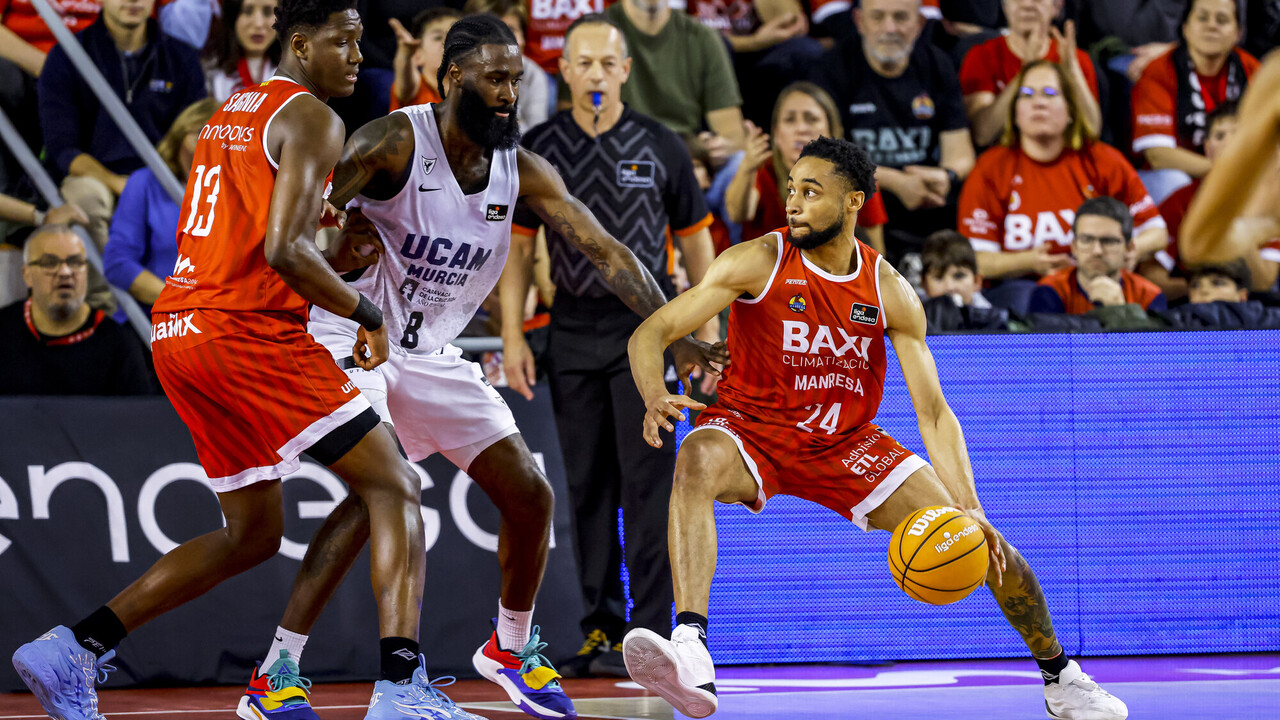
{"x":626,"y":276}
{"x":366,"y":158}
{"x":1024,"y":606}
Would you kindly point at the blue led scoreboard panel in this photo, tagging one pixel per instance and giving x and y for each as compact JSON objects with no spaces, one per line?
{"x":1138,"y":472}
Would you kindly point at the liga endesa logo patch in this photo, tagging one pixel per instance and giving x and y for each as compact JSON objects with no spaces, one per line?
{"x":496,"y":213}
{"x":865,"y":314}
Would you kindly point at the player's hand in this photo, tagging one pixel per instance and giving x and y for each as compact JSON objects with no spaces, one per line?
{"x":1046,"y":261}
{"x":995,"y":543}
{"x":659,"y":412}
{"x":517,"y":363}
{"x":331,"y":216}
{"x":358,"y":244}
{"x":66,"y":214}
{"x":375,"y":342}
{"x":689,"y":354}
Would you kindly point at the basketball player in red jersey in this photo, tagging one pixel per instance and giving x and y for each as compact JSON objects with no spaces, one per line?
{"x":1237,"y":209}
{"x":810,"y":309}
{"x":232,"y":352}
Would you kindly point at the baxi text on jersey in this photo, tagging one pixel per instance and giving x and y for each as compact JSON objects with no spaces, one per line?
{"x":799,"y":337}
{"x":175,"y":326}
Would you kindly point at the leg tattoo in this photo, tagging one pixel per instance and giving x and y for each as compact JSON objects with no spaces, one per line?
{"x":1024,"y":606}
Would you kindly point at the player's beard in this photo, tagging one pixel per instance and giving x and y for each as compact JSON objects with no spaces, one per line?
{"x":817,"y":238}
{"x":482,"y":124}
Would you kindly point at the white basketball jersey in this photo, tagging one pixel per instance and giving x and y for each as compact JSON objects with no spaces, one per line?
{"x":443,"y":250}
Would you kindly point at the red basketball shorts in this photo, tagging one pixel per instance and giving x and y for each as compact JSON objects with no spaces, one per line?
{"x":255,"y":391}
{"x":851,"y":474}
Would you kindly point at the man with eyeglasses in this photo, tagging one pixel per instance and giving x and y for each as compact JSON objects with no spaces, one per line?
{"x":55,"y":344}
{"x":1103,"y":237}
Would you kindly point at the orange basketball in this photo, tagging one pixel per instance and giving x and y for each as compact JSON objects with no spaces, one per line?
{"x":938,"y":555}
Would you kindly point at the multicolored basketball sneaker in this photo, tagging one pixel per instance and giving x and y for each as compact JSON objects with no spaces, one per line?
{"x":527,"y":676}
{"x":421,"y":697}
{"x":62,"y":674}
{"x":280,"y":694}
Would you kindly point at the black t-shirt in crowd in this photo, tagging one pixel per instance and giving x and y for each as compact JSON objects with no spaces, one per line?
{"x":99,"y":358}
{"x":897,"y":120}
{"x":636,"y":178}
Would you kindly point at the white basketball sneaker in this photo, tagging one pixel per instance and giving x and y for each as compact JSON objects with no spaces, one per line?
{"x":1077,"y":697}
{"x":679,"y":669}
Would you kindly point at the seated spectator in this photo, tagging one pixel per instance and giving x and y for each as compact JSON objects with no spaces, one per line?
{"x":901,"y":102}
{"x":1178,"y":88}
{"x":1225,"y":282}
{"x":954,"y":288}
{"x":25,"y":41}
{"x":757,"y":195}
{"x":244,"y":51}
{"x":156,"y":76}
{"x":770,"y":42}
{"x":1220,"y":300}
{"x":988,"y":68}
{"x":537,"y":90}
{"x":418,"y":57}
{"x":681,"y":74}
{"x":55,"y":344}
{"x":1103,"y":233}
{"x":143,"y":246}
{"x":1018,"y":206}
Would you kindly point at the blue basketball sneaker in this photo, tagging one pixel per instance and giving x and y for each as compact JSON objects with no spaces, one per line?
{"x":62,"y":674}
{"x":280,"y":694}
{"x":530,"y":681}
{"x":419,"y":698}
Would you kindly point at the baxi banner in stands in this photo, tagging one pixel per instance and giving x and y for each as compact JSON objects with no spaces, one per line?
{"x":93,"y":491}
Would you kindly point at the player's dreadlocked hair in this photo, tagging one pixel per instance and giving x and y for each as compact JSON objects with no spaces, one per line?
{"x":293,"y":15}
{"x":851,"y":161}
{"x":467,"y":35}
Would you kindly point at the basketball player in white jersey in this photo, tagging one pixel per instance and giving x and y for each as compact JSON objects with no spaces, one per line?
{"x":435,"y":187}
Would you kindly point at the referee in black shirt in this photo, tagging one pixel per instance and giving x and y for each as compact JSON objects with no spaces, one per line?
{"x":636,"y":177}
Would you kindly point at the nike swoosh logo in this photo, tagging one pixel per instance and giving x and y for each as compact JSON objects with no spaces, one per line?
{"x":279,"y":639}
{"x":424,"y":188}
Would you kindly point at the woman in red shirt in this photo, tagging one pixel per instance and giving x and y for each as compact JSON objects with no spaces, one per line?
{"x":1179,"y":88}
{"x":757,"y":195}
{"x":1018,"y":205}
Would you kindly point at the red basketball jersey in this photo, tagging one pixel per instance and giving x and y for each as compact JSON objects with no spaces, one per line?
{"x":222,"y":222}
{"x":809,"y":351}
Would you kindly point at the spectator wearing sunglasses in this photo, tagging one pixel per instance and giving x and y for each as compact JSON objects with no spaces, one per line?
{"x":55,"y":344}
{"x":1019,"y":205}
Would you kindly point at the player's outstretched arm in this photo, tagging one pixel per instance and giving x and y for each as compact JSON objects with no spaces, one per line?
{"x":1205,"y":235}
{"x":939,"y":428}
{"x":742,"y":269}
{"x":542,"y":189}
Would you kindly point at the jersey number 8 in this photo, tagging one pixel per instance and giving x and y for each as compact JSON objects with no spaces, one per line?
{"x":207,"y":185}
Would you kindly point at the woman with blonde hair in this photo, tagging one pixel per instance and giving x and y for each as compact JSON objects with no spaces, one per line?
{"x":757,"y":195}
{"x":1018,"y":205}
{"x":142,"y":246}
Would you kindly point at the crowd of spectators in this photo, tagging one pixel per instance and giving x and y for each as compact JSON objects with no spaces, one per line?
{"x":1001,"y":128}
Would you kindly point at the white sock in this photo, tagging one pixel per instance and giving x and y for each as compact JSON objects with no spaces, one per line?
{"x":514,"y":628}
{"x":284,"y":640}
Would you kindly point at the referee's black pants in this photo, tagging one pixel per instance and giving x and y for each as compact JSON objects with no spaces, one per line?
{"x":608,"y":465}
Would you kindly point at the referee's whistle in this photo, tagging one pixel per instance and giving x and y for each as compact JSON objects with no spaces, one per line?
{"x":597,"y":99}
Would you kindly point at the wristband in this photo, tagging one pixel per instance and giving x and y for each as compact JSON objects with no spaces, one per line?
{"x":954,"y":177}
{"x":367,"y":314}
